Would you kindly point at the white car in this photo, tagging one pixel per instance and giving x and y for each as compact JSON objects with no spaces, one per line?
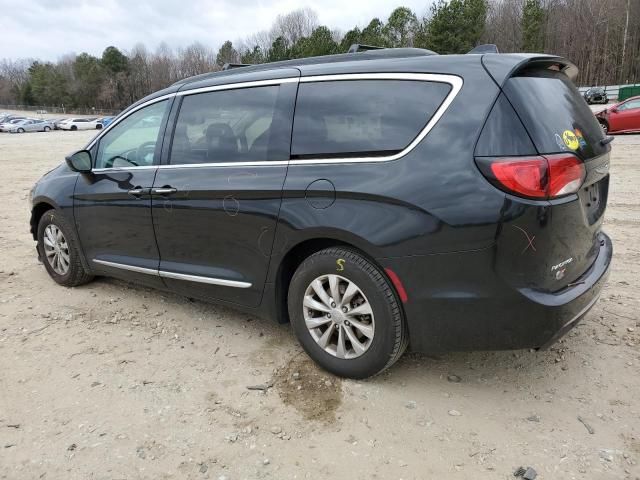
{"x":80,"y":124}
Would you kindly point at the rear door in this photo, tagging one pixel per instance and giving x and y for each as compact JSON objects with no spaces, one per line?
{"x":216,"y":200}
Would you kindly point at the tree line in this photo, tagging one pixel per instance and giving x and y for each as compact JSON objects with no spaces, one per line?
{"x":602,"y":37}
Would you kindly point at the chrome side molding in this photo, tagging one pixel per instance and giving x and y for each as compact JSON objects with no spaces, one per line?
{"x":177,"y":276}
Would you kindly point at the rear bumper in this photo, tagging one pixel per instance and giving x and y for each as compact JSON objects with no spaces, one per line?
{"x":457,"y":302}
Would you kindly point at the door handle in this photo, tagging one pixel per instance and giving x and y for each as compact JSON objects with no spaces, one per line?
{"x":138,"y":191}
{"x":163,"y":191}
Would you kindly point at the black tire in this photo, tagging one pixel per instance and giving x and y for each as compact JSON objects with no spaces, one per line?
{"x":98,"y":126}
{"x":76,"y":274}
{"x":390,"y":337}
{"x":73,"y":128}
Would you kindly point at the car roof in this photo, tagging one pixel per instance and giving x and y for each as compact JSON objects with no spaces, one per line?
{"x":397,"y":60}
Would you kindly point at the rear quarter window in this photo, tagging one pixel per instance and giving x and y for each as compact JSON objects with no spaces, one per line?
{"x":349,"y":118}
{"x":554,"y":113}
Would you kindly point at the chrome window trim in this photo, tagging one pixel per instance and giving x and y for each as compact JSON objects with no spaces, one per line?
{"x":455,"y":81}
{"x":234,"y":86}
{"x":115,"y":122}
{"x":178,"y":276}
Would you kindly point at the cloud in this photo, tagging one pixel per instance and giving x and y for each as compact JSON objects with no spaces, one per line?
{"x":47,"y":30}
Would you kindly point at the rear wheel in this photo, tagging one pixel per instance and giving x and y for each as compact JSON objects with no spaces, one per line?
{"x":59,"y":252}
{"x":345,"y":314}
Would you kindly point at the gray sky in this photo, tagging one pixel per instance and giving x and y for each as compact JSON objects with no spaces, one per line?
{"x":48,"y":29}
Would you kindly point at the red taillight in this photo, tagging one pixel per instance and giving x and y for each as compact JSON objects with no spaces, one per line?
{"x":537,"y":177}
{"x":566,"y":174}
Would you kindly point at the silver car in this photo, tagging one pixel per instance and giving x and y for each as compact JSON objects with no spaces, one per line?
{"x":9,"y":123}
{"x":31,"y":126}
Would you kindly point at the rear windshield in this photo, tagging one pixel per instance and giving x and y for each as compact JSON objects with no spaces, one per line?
{"x":555,"y":114}
{"x":362,"y":117}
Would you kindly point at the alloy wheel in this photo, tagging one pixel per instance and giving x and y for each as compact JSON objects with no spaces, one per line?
{"x":338,"y":316}
{"x":56,"y":249}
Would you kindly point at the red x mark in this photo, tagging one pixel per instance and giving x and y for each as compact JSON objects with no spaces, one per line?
{"x":529,"y":239}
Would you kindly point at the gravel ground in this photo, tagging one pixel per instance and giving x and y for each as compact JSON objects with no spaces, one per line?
{"x":115,"y":381}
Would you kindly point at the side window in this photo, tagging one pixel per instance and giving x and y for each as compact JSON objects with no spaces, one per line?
{"x":630,"y":105}
{"x":240,"y":125}
{"x":349,"y":118}
{"x":134,"y":141}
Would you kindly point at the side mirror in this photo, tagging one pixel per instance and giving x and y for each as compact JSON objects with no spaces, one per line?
{"x":80,"y":161}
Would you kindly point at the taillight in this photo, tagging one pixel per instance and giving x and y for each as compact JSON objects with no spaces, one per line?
{"x":539,"y":177}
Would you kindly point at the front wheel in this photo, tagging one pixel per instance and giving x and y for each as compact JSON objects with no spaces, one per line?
{"x":59,"y":252}
{"x":47,"y":129}
{"x":345,"y":314}
{"x":21,"y":130}
{"x":73,"y":128}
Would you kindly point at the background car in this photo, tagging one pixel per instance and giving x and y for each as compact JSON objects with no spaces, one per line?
{"x":80,"y":124}
{"x":596,"y":95}
{"x":53,"y":121}
{"x":31,"y":125}
{"x":7,"y":117}
{"x":623,"y":117}
{"x":105,"y":121}
{"x":4,"y":127}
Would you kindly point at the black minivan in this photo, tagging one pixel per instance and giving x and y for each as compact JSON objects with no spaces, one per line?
{"x":375,"y":200}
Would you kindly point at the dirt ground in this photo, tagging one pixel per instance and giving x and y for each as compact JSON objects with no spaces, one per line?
{"x":114,"y":381}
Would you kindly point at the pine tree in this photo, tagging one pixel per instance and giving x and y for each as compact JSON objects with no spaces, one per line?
{"x":532,"y":26}
{"x":456,"y":26}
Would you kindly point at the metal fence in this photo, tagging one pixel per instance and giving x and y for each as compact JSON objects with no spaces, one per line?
{"x":98,"y":112}
{"x":612,"y":91}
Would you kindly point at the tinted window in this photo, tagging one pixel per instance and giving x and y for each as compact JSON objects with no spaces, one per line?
{"x":552,"y":109}
{"x":232,"y":126}
{"x":134,"y":141}
{"x":631,"y":104}
{"x":503,"y":133}
{"x":362,"y":117}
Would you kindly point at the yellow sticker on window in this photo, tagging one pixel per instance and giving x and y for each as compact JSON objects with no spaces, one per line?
{"x":570,"y":139}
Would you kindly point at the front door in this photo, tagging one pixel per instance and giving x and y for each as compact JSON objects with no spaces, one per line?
{"x":216,"y":200}
{"x":112,"y":205}
{"x":627,"y":117}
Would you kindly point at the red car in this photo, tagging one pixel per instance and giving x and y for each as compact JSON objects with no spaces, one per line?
{"x":623,"y":117}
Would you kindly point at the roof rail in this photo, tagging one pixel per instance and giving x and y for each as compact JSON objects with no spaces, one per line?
{"x":486,"y":48}
{"x":229,"y":66}
{"x":359,"y":47}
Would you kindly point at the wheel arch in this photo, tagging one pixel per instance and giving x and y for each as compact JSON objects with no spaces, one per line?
{"x":297,"y":253}
{"x":41,"y":206}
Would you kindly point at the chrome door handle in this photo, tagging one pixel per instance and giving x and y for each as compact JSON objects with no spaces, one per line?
{"x":138,"y":191}
{"x":163,"y":191}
